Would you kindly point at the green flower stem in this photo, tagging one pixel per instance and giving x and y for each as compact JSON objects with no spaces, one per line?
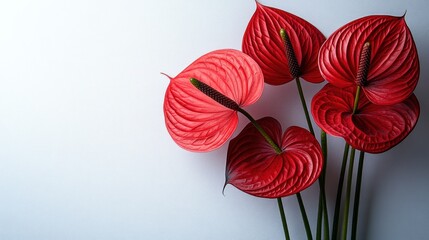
{"x":319,"y":216}
{"x":278,"y":151}
{"x":283,"y":216}
{"x":304,"y":105}
{"x":298,"y":195}
{"x":310,"y":127}
{"x":304,"y":216}
{"x":358,"y":177}
{"x":348,"y":192}
{"x":325,"y":219}
{"x":322,"y":208}
{"x":341,"y":179}
{"x":324,"y":142}
{"x":229,"y":103}
{"x":295,"y":71}
{"x":261,"y":130}
{"x":357,"y":195}
{"x":339,"y":193}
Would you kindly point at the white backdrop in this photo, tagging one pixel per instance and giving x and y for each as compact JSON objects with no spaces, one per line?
{"x":84,"y":153}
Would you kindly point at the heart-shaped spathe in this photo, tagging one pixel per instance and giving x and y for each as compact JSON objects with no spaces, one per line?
{"x":195,"y":121}
{"x":393,"y":65}
{"x":263,"y":43}
{"x":373,"y":128}
{"x":254,"y":167}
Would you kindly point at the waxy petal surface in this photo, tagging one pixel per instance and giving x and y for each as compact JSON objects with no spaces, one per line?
{"x":263,"y":43}
{"x":373,"y":128}
{"x":394,"y":64}
{"x":195,"y":121}
{"x":254,"y":167}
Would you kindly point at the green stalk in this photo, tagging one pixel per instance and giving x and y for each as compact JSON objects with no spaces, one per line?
{"x":322,"y":208}
{"x":339,"y":193}
{"x":341,"y":179}
{"x":304,"y":217}
{"x":304,"y":105}
{"x":229,"y":103}
{"x":325,"y":220}
{"x":283,"y":216}
{"x":350,"y":174}
{"x":361,"y":80}
{"x":324,"y":142}
{"x":310,"y":127}
{"x":261,"y":130}
{"x":295,"y":71}
{"x":319,"y":215}
{"x":278,"y":151}
{"x":348,"y":192}
{"x":298,"y":195}
{"x":357,"y":195}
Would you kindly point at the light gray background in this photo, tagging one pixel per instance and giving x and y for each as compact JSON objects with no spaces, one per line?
{"x":84,"y":153}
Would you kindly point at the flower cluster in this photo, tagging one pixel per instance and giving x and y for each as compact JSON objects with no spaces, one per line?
{"x":375,"y":55}
{"x":371,"y":66}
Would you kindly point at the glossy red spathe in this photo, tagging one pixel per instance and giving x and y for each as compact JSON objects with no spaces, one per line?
{"x":394,"y":65}
{"x":254,"y":167}
{"x":195,"y":121}
{"x":373,"y":128}
{"x":263,"y":43}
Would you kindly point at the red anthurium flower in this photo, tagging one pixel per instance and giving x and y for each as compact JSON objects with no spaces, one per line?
{"x":373,"y":128}
{"x":254,"y":167}
{"x":263,"y":43}
{"x":393,"y":62}
{"x":195,"y":121}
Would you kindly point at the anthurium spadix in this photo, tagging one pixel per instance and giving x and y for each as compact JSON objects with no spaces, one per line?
{"x":393,"y":69}
{"x":196,"y":121}
{"x":262,"y":41}
{"x":255,"y":167}
{"x":372,"y":128}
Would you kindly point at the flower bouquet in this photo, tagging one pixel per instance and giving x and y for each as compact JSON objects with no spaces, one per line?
{"x":371,"y":68}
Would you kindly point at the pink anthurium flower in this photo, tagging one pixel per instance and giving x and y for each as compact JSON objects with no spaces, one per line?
{"x":254,"y":167}
{"x":393,"y":63}
{"x":263,"y":43}
{"x":197,"y":122}
{"x":372,"y":128}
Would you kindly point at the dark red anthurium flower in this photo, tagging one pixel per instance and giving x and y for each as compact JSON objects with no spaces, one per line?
{"x":197,"y":122}
{"x":393,"y":69}
{"x":263,"y":43}
{"x":254,"y":167}
{"x":373,"y":128}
